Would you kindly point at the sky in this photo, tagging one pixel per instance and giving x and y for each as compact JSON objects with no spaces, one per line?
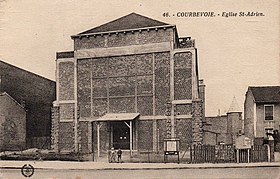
{"x":233,"y":52}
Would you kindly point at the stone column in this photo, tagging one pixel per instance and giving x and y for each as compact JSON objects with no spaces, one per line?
{"x":197,"y":124}
{"x":55,"y":128}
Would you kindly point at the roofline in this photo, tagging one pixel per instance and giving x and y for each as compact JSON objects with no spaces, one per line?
{"x":125,"y":30}
{"x":255,"y":101}
{"x":5,"y":93}
{"x":27,"y":71}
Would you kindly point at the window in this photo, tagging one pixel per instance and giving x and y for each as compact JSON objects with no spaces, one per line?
{"x":268,"y":112}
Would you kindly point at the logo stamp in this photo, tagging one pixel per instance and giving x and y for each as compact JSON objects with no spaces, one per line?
{"x":27,"y":170}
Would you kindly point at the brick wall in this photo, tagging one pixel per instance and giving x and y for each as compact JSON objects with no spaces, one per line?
{"x":197,"y":125}
{"x":145,"y":135}
{"x":121,"y":78}
{"x":162,"y":81}
{"x":83,"y":134}
{"x":121,"y":39}
{"x":161,"y":127}
{"x":184,"y":132}
{"x":12,"y":124}
{"x":66,"y":80}
{"x":183,"y":76}
{"x":66,"y":136}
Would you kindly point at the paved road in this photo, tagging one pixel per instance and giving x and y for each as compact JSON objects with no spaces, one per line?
{"x":214,"y":173}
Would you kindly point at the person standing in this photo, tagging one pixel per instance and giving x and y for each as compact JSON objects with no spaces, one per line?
{"x":119,"y":153}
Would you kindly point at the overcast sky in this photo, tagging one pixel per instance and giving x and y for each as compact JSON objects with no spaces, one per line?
{"x":234,"y":52}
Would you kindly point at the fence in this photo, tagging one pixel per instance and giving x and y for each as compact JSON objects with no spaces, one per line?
{"x":227,"y":154}
{"x":150,"y":153}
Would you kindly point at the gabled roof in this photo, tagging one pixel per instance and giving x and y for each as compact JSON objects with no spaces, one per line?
{"x":266,"y":94}
{"x":130,"y":21}
{"x":6,"y":94}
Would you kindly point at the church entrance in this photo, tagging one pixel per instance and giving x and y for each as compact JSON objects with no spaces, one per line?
{"x":120,"y":135}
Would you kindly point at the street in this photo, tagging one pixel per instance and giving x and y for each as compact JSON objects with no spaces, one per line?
{"x":213,"y":173}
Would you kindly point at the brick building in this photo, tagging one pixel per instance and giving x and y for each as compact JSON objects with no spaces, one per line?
{"x":12,"y":124}
{"x":129,"y":83}
{"x":36,"y":94}
{"x":224,"y":128}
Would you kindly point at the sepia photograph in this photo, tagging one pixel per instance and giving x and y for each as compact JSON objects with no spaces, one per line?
{"x":140,"y":89}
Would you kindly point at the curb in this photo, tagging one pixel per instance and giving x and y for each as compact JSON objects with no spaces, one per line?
{"x":147,"y":168}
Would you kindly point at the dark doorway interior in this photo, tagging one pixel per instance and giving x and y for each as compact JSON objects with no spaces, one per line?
{"x":120,"y":135}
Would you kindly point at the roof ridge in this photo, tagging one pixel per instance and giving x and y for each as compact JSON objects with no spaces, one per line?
{"x":129,"y":21}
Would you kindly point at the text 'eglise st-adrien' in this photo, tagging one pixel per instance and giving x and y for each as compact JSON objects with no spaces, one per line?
{"x":213,"y":14}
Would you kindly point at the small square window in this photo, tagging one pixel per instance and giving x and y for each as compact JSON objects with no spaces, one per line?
{"x":268,"y":112}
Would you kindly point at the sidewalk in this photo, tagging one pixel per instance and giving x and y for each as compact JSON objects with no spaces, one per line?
{"x":63,"y":165}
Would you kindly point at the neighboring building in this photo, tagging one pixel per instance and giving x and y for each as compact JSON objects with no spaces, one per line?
{"x":12,"y":124}
{"x":225,"y":128}
{"x":36,"y":94}
{"x":114,"y":89}
{"x":261,"y":112}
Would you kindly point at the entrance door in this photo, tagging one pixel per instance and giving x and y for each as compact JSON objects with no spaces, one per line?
{"x":120,"y":135}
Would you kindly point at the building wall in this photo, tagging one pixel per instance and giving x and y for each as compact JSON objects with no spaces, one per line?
{"x":36,"y":93}
{"x":134,"y":82}
{"x":215,"y":130}
{"x":105,"y":83}
{"x":234,"y":124}
{"x":124,"y":39}
{"x":12,"y":125}
{"x":262,"y":124}
{"x":249,"y":115}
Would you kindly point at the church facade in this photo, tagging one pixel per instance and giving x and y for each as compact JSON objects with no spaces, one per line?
{"x":128,"y":84}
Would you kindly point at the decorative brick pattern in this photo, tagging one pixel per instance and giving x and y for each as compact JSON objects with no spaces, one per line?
{"x":89,"y":42}
{"x":83,"y":136}
{"x":99,"y":107}
{"x":122,"y":86}
{"x":145,"y":84}
{"x":83,"y":80}
{"x":162,"y":81}
{"x":123,"y":39}
{"x":153,"y":36}
{"x":144,"y":64}
{"x":145,"y":135}
{"x":161,"y":127}
{"x":145,"y":105}
{"x":66,"y":136}
{"x":100,"y":67}
{"x":122,"y":65}
{"x":184,"y":132}
{"x":197,"y":124}
{"x":55,"y":128}
{"x":122,"y":105}
{"x":183,"y":109}
{"x":66,"y":111}
{"x":183,"y":76}
{"x":85,"y":109}
{"x":99,"y":87}
{"x":66,"y":80}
